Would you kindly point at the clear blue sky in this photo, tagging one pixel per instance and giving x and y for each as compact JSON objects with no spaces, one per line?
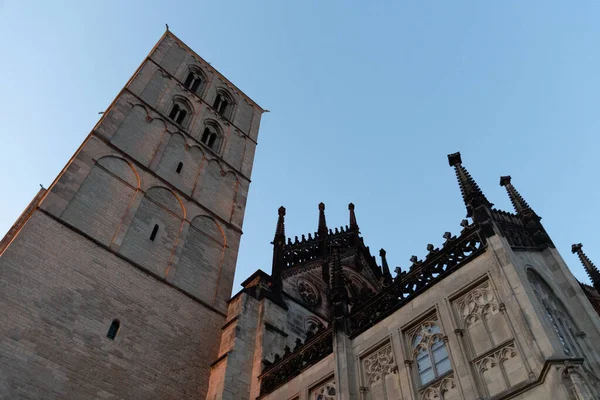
{"x":366,"y":100}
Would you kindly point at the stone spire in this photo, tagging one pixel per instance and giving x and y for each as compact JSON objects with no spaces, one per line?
{"x":589,"y":266}
{"x":278,"y":252}
{"x":322,"y":222}
{"x":471,"y":193}
{"x":519,"y":204}
{"x":353,"y":224}
{"x":387,"y":275}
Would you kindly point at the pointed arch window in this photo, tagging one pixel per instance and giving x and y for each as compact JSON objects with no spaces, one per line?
{"x":556,"y":315}
{"x":430,"y":353}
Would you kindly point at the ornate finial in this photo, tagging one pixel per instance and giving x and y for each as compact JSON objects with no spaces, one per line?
{"x":519,"y":204}
{"x":278,"y":254}
{"x":471,"y":193}
{"x":589,"y":266}
{"x":385,"y":267}
{"x":280,"y":230}
{"x":167,"y":26}
{"x":322,"y":222}
{"x":353,"y":224}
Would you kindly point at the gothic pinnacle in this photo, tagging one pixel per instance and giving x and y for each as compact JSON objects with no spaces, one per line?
{"x":590,"y":268}
{"x":353,"y":224}
{"x":471,"y":193}
{"x":280,"y":230}
{"x":384,"y":266}
{"x":519,"y":204}
{"x":322,"y":223}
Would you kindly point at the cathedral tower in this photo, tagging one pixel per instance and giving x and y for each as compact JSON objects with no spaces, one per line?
{"x":115,"y":280}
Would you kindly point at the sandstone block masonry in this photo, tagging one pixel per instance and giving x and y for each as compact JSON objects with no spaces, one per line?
{"x":140,"y":230}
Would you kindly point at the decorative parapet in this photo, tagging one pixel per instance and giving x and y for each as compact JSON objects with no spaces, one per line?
{"x":422,"y":275}
{"x":512,"y":228}
{"x":282,"y":369}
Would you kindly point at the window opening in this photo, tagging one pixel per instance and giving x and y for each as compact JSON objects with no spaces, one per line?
{"x":209,"y":137}
{"x":177,"y":113}
{"x":430,"y":352}
{"x":221,"y":104}
{"x":193,"y":82}
{"x":179,"y":166}
{"x":154,"y":232}
{"x":113,"y":330}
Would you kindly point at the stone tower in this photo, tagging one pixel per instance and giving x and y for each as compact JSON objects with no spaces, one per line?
{"x":115,"y":280}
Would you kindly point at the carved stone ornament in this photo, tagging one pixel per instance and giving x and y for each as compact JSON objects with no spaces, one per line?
{"x":454,"y":254}
{"x":440,"y":389}
{"x":326,"y":391}
{"x":379,"y":364}
{"x":478,"y":302}
{"x":308,"y":293}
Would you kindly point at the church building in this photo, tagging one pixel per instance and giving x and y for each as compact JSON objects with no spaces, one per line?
{"x":116,"y":281}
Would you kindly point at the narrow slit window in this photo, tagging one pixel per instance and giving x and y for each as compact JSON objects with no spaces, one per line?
{"x":113,"y":330}
{"x":179,"y":167}
{"x":154,"y":232}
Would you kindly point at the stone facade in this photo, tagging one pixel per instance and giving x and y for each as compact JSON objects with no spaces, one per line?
{"x":116,"y":280}
{"x":136,"y":238}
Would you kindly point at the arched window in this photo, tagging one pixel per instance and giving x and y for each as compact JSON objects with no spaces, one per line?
{"x":194,"y":80}
{"x":179,"y":112}
{"x":429,"y":352}
{"x":223,"y":104}
{"x":113,"y":330}
{"x":210,"y":136}
{"x":556,"y":315}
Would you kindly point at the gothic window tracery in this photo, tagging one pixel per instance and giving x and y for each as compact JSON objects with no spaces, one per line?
{"x":379,"y":364}
{"x":429,"y":351}
{"x":326,"y":391}
{"x":308,"y":293}
{"x":556,"y":315}
{"x":480,"y":315}
{"x":379,"y":374}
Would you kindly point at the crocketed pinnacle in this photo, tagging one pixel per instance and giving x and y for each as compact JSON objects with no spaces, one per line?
{"x":353,"y":223}
{"x":471,"y":193}
{"x":518,"y":202}
{"x":280,"y":229}
{"x":590,"y":268}
{"x":322,"y":223}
